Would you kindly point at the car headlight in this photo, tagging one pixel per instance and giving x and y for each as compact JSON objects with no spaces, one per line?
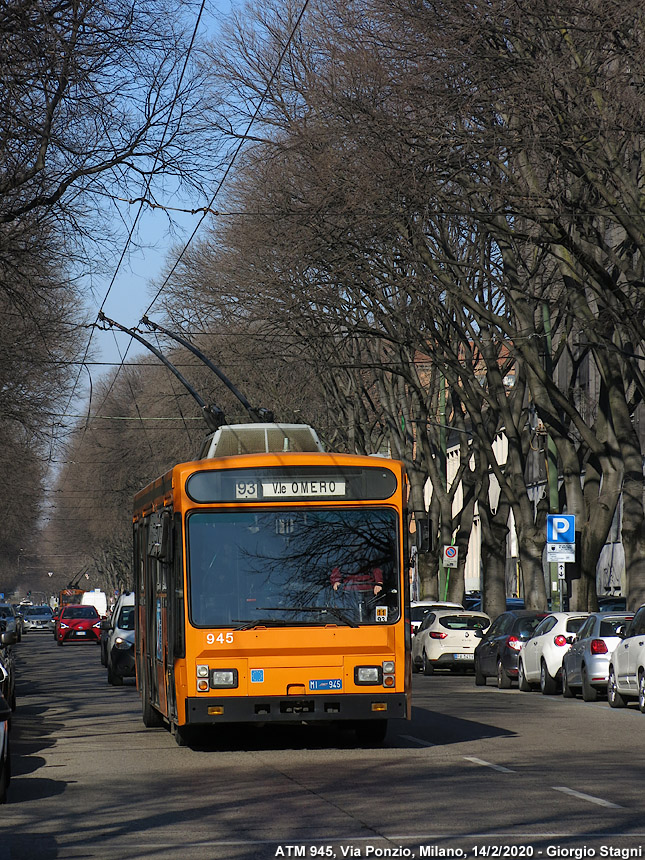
{"x":122,"y":644}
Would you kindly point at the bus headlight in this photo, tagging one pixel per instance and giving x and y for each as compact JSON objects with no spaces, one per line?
{"x":368,"y":675}
{"x":202,"y":671}
{"x":223,"y":678}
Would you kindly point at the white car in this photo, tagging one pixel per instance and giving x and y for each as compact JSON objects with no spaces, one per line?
{"x":420,"y":608}
{"x":540,"y":660}
{"x":627,"y":665}
{"x":446,"y":639}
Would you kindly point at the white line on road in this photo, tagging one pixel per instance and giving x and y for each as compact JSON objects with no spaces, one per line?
{"x":481,"y":761}
{"x":579,"y":794}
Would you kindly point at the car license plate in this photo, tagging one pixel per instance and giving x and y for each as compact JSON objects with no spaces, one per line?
{"x":464,"y":657}
{"x":80,"y":632}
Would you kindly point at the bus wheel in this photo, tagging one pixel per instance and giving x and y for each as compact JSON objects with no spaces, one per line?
{"x":370,"y":731}
{"x":152,"y":719}
{"x":182,"y":734}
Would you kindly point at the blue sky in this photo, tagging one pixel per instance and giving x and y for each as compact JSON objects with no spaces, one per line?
{"x":132,"y":290}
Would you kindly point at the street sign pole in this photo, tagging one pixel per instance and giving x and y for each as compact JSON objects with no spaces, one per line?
{"x":560,"y":548}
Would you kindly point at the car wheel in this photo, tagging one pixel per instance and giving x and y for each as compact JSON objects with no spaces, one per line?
{"x":615,"y":699}
{"x":523,"y":684}
{"x":480,"y":678}
{"x":428,"y":668}
{"x":548,"y":684}
{"x":589,"y":693}
{"x":59,"y":641}
{"x":641,"y":692}
{"x":567,"y":691}
{"x":114,"y":679}
{"x":503,"y":681}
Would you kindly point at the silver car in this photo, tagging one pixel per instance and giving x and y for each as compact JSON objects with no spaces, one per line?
{"x":38,"y":618}
{"x":585,"y":666}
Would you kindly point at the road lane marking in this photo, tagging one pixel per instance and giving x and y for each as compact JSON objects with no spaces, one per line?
{"x":481,"y":761}
{"x":581,"y":796}
{"x":416,"y":741}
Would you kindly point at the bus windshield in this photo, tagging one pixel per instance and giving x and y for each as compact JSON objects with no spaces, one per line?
{"x":295,"y":566}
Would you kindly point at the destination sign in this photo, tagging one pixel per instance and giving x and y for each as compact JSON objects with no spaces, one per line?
{"x":308,"y":489}
{"x":297,"y":482}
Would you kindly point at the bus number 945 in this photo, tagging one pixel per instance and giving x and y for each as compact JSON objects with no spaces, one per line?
{"x":219,"y":638}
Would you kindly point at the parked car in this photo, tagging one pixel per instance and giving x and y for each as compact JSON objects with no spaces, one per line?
{"x":119,"y":640}
{"x":8,"y":613}
{"x":626,"y":679}
{"x":38,"y":618}
{"x":18,"y":609}
{"x":78,"y":624}
{"x":511,"y":603}
{"x":446,"y":639}
{"x":5,"y":750}
{"x":8,"y":683}
{"x":496,"y":655}
{"x":585,"y":666}
{"x":420,"y":608}
{"x":612,"y":603}
{"x":540,"y":659}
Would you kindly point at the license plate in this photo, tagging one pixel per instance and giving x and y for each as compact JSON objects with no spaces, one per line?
{"x":326,"y":684}
{"x":464,"y":656}
{"x":80,"y":632}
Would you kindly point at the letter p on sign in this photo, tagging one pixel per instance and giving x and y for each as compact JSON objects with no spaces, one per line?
{"x":561,"y":528}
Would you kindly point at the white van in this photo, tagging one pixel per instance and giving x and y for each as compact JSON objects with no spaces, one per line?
{"x":97,"y":599}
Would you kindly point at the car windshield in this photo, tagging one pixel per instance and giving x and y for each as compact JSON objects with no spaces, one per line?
{"x":37,"y":610}
{"x":6,"y":612}
{"x":611,"y":627}
{"x":574,"y":624}
{"x":80,"y":612}
{"x":125,"y":620}
{"x":463,"y":622}
{"x":525,"y":626}
{"x":293,"y":566}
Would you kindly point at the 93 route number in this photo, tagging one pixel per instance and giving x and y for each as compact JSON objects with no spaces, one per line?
{"x":219,"y":638}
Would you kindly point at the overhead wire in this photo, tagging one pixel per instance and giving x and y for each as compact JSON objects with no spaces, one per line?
{"x":220,"y":184}
{"x":147,"y":189}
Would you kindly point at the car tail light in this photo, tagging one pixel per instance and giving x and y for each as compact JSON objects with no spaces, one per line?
{"x":560,"y":640}
{"x":598,"y":646}
{"x":514,"y":643}
{"x":436,"y":634}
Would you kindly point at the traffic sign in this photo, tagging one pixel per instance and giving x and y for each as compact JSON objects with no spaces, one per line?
{"x":561,"y":528}
{"x":450,"y":556}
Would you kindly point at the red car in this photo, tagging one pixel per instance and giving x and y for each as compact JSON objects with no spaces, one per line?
{"x":78,"y":624}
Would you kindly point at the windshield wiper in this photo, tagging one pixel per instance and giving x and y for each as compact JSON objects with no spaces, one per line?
{"x":260,"y":622}
{"x":332,"y":610}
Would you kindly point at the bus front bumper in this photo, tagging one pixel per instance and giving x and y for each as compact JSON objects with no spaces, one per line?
{"x":210,"y":710}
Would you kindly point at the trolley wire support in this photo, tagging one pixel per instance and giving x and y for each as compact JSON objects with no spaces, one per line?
{"x":258,"y":414}
{"x":212,"y":414}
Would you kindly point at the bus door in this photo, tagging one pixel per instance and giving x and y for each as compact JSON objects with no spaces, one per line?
{"x":156,"y":573}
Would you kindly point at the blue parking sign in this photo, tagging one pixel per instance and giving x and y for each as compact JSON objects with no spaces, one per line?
{"x":561,"y":528}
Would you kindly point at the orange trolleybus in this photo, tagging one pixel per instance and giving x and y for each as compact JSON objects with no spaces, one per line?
{"x":271,"y":587}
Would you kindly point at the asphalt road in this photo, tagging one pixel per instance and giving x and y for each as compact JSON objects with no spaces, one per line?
{"x":477,"y":772}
